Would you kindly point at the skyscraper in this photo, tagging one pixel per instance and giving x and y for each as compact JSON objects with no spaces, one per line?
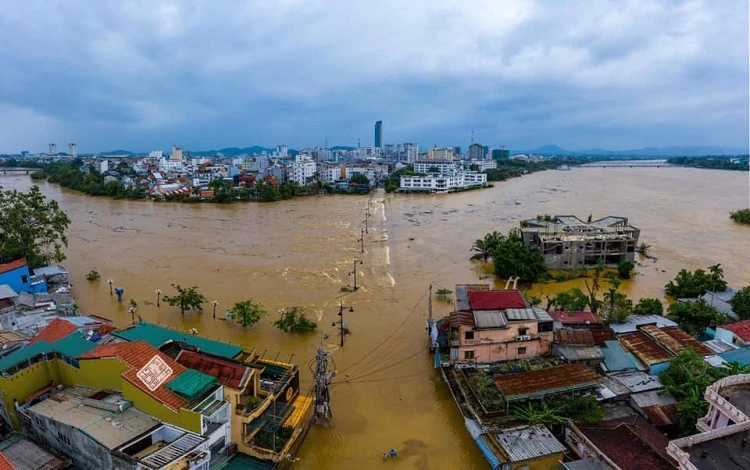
{"x":52,"y":149}
{"x":73,"y":150}
{"x":379,"y":134}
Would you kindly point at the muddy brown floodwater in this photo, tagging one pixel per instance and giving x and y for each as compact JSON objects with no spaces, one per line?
{"x":300,"y":252}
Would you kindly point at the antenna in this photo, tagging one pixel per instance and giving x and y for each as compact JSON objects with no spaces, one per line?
{"x":472,"y":136}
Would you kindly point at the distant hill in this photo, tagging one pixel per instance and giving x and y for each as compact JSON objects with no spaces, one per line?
{"x":695,"y":151}
{"x":342,"y":147}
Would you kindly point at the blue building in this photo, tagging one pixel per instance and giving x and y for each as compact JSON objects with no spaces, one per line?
{"x":17,"y":276}
{"x":379,"y":134}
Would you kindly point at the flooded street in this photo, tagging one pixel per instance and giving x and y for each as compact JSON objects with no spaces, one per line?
{"x":301,"y":252}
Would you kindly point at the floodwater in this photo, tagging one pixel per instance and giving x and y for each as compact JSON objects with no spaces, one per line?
{"x":300,"y":252}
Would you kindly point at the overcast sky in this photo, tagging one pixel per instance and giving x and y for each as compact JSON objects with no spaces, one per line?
{"x":143,"y":75}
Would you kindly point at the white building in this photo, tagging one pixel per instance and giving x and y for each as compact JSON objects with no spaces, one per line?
{"x":442,"y":153}
{"x":176,"y":154}
{"x":369,"y":153}
{"x":156,"y":154}
{"x":334,"y":173}
{"x":282,"y":151}
{"x":52,"y":149}
{"x":303,"y":168}
{"x":171,"y":165}
{"x":73,"y":150}
{"x":441,"y":166}
{"x":102,"y":166}
{"x":482,"y":165}
{"x":443,"y":183}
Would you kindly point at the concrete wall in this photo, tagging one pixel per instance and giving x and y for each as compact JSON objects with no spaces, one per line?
{"x":87,"y":454}
{"x":501,"y":345}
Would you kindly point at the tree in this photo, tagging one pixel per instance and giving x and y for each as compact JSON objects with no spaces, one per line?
{"x":741,"y":303}
{"x":693,"y":284}
{"x":593,"y":288}
{"x":187,"y":298}
{"x":625,"y":269}
{"x":31,"y":227}
{"x":533,"y":300}
{"x":513,"y":258}
{"x":444,"y":294}
{"x":247,"y":312}
{"x":484,"y":247}
{"x":648,"y":306}
{"x":359,"y":178}
{"x":616,"y":305}
{"x":93,"y":275}
{"x":293,"y":319}
{"x":695,"y":316}
{"x":643,"y":248}
{"x":570,"y":300}
{"x":741,"y":216}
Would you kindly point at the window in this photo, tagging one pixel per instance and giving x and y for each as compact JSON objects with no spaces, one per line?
{"x":25,"y":279}
{"x":469,"y":335}
{"x":523,"y":331}
{"x":468,"y":355}
{"x":521,"y":351}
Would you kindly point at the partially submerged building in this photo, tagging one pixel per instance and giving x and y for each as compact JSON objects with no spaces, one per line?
{"x":567,"y":242}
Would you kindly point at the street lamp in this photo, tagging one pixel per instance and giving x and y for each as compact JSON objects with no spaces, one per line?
{"x":131,"y":311}
{"x":110,"y":282}
{"x":354,"y":272}
{"x":158,"y":297}
{"x":361,"y":240}
{"x":214,"y":303}
{"x":341,"y":320}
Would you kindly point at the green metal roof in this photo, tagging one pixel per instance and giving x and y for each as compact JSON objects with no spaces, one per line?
{"x":191,"y":384}
{"x":73,"y":345}
{"x":23,"y":354}
{"x":156,"y":336}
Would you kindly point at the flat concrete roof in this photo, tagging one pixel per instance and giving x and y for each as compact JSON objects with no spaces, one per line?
{"x":75,"y":407}
{"x":738,"y":395}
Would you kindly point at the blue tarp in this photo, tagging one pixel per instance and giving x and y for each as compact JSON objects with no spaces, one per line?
{"x":487,"y":452}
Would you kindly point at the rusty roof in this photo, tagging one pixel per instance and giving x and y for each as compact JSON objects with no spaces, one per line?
{"x":601,"y":335}
{"x":567,"y":318}
{"x":229,"y":374}
{"x":461,"y":318}
{"x":57,"y":329}
{"x":547,"y":381}
{"x":136,"y":355}
{"x":631,"y":443}
{"x":661,"y":415}
{"x":644,"y":348}
{"x":5,"y":463}
{"x":679,"y":340}
{"x":575,"y":337}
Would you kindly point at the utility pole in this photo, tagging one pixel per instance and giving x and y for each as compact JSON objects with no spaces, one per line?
{"x":367,"y":216}
{"x":354,"y":271}
{"x":341,"y":320}
{"x":361,"y":241}
{"x":322,"y":379}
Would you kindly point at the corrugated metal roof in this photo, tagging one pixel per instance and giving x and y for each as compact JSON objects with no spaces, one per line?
{"x":229,"y":374}
{"x":496,"y":299}
{"x":547,"y":381}
{"x":616,"y":358}
{"x":741,"y":356}
{"x":489,"y":319}
{"x":634,"y":321}
{"x":542,"y":315}
{"x":741,"y":329}
{"x":575,"y":337}
{"x":637,"y":381}
{"x":462,"y":294}
{"x":6,"y":292}
{"x":675,"y":339}
{"x":53,"y":270}
{"x":73,"y":345}
{"x":516,"y":314}
{"x":577,"y":318}
{"x":585,"y":464}
{"x":461,"y":318}
{"x":720,"y":346}
{"x":528,"y":442}
{"x":156,"y":336}
{"x":648,"y":351}
{"x":653,"y":398}
{"x":577,"y":353}
{"x":7,"y":267}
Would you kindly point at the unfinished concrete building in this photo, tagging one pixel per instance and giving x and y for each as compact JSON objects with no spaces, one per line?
{"x":567,"y":242}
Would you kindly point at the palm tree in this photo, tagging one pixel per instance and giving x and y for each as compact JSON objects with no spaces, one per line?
{"x":484,"y":247}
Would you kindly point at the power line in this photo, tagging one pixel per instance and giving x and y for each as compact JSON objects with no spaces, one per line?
{"x":385,"y":367}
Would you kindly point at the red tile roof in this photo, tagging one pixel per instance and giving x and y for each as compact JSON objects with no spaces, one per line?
{"x":229,"y":374}
{"x":648,"y":351}
{"x":5,"y":463}
{"x":496,"y":299}
{"x":7,"y":267}
{"x":631,"y":443}
{"x":567,"y":318}
{"x":741,"y":329}
{"x":57,"y":329}
{"x":547,"y":381}
{"x":137,"y":354}
{"x":676,"y":340}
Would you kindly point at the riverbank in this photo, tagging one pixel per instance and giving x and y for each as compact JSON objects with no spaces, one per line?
{"x":739,"y":163}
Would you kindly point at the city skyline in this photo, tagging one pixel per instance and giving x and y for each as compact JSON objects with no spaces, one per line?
{"x":222,"y":74}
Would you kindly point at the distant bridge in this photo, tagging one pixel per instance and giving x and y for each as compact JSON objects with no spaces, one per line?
{"x":628,"y":164}
{"x":17,"y":171}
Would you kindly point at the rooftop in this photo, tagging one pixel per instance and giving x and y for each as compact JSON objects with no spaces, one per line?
{"x":741,"y":356}
{"x":7,"y":267}
{"x":676,"y":340}
{"x":741,"y":329}
{"x":72,"y":345}
{"x":648,"y":351}
{"x":496,"y":299}
{"x":229,"y":374}
{"x":6,"y":292}
{"x":137,"y":355}
{"x":659,"y":406}
{"x":636,"y":381}
{"x":489,"y":319}
{"x":462,"y":294}
{"x":106,"y":418}
{"x":25,"y":455}
{"x":568,"y":318}
{"x":585,"y":464}
{"x":577,"y":353}
{"x":57,"y":329}
{"x":574,"y":337}
{"x":461,"y":318}
{"x":5,"y":463}
{"x":720,"y":449}
{"x":634,"y":321}
{"x":616,"y":358}
{"x":547,"y":381}
{"x":156,"y":336}
{"x":528,"y":442}
{"x":738,"y":395}
{"x":631,"y":443}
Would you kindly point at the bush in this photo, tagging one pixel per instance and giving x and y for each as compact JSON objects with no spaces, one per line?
{"x":741,"y":216}
{"x":689,"y":284}
{"x":93,"y":275}
{"x":625,"y":269}
{"x":647,"y":306}
{"x":293,"y":319}
{"x":695,"y":316}
{"x":741,"y":303}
